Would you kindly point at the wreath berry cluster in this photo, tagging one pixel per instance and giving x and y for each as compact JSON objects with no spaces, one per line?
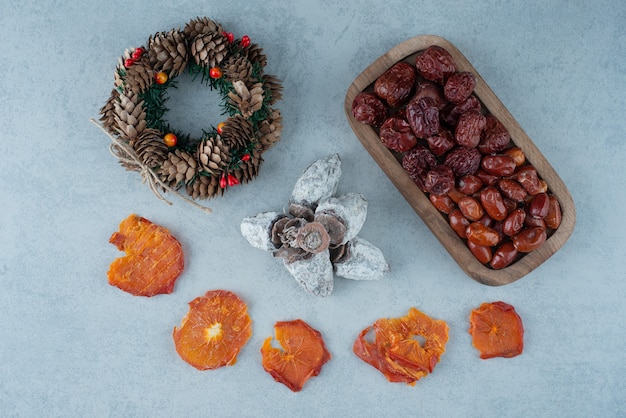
{"x":226,"y":154}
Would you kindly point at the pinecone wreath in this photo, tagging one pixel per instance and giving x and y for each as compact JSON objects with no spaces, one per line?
{"x":230,"y":152}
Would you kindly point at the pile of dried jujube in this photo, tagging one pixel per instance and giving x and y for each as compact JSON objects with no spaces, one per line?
{"x":461,"y":156}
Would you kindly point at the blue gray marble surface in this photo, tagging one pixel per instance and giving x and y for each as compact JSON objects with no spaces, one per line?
{"x":71,"y":345}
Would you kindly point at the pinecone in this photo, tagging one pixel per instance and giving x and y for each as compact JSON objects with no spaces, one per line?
{"x":213,"y":155}
{"x":130,"y":118}
{"x":120,"y":71}
{"x":248,"y":170}
{"x":168,"y":52}
{"x":140,"y":75}
{"x":254,"y":53}
{"x":202,"y":26}
{"x":237,"y":132}
{"x":108,"y":112}
{"x":209,"y":49}
{"x":150,"y":148}
{"x":273,"y":88}
{"x":204,"y":187}
{"x":270,"y":129}
{"x":247,"y":101}
{"x":179,"y":168}
{"x":238,"y":69}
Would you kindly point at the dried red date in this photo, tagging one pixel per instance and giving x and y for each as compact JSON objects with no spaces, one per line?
{"x":431,"y":90}
{"x":441,"y":143}
{"x":512,"y":190}
{"x":458,"y":222}
{"x":423,"y":117}
{"x":531,"y":222}
{"x":451,"y":113}
{"x":539,"y":206}
{"x":528,"y":178}
{"x":493,"y":203}
{"x":517,"y":154}
{"x":439,"y":180}
{"x":468,"y":129}
{"x":443,"y":203}
{"x":529,"y":239}
{"x":435,"y":64}
{"x":463,"y":161}
{"x":495,"y":137}
{"x":469,"y":184}
{"x":396,"y":134}
{"x":369,"y":109}
{"x":471,"y":208}
{"x":514,"y":222}
{"x":417,"y":162}
{"x":553,"y":218}
{"x":396,"y":84}
{"x":498,"y":165}
{"x":459,"y":87}
{"x":480,"y":234}
{"x":504,"y":256}
{"x":482,"y":253}
{"x":486,"y":178}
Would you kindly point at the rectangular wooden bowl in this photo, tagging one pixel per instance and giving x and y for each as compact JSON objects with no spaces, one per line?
{"x":435,"y":221}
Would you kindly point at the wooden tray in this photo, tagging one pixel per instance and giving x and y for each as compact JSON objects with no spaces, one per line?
{"x":420,"y":202}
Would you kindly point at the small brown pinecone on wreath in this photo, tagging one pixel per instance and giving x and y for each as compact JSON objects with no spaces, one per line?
{"x":270,"y":129}
{"x":130,"y":117}
{"x":237,"y":131}
{"x":247,"y":100}
{"x":140,"y":75}
{"x":150,"y":148}
{"x":108,"y":112}
{"x":204,"y":187}
{"x":202,"y":26}
{"x":213,"y":155}
{"x":179,"y":168}
{"x":167,"y":52}
{"x":249,"y":166}
{"x":238,"y":69}
{"x":209,"y":49}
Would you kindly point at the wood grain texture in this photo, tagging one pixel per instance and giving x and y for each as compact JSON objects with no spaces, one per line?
{"x":389,"y":163}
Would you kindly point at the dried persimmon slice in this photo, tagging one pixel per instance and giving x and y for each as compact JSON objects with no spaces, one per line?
{"x":154,"y":258}
{"x":405,"y":349}
{"x":214,"y":330}
{"x":496,"y":330}
{"x":302,"y":355}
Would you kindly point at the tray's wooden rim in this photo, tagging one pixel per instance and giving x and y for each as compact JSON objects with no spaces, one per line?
{"x":418,"y":200}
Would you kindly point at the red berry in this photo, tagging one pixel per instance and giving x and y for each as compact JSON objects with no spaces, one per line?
{"x":245,"y":41}
{"x":245,"y":157}
{"x":138,"y":53}
{"x":229,"y":36}
{"x":128,"y":62}
{"x":220,"y":127}
{"x":232,"y":180}
{"x":170,"y":140}
{"x":223,"y":181}
{"x":215,"y":72}
{"x":160,"y":77}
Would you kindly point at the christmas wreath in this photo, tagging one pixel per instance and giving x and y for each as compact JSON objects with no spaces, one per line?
{"x":226,"y":154}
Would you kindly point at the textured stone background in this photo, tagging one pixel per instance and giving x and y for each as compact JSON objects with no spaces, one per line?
{"x":71,"y":345}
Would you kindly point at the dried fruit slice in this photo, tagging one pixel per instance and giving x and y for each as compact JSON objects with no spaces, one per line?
{"x":302,"y":355}
{"x":404,"y":349}
{"x":216,"y":327}
{"x":496,"y":330}
{"x":153,"y":261}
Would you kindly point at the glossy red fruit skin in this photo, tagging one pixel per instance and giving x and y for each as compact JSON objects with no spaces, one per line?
{"x":514,"y":222}
{"x":435,"y":64}
{"x":539,"y":206}
{"x":504,"y":255}
{"x":480,"y":234}
{"x":367,"y":108}
{"x":395,"y":85}
{"x":554,"y":216}
{"x":459,"y":86}
{"x":468,"y":129}
{"x":458,"y":223}
{"x":498,"y":165}
{"x":482,"y":253}
{"x":469,"y":184}
{"x":396,"y":134}
{"x":493,"y":203}
{"x":512,"y":190}
{"x":529,"y":239}
{"x":471,"y":208}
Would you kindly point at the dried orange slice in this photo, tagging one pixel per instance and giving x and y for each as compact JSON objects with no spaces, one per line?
{"x":214,"y":330}
{"x":302,"y":355}
{"x":404,"y":349}
{"x":496,"y":330}
{"x":153,"y":261}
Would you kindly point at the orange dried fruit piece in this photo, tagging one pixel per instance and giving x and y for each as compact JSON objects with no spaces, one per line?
{"x":154,"y":258}
{"x":214,"y":330}
{"x":302,"y":355}
{"x":496,"y":330}
{"x":404,"y":349}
